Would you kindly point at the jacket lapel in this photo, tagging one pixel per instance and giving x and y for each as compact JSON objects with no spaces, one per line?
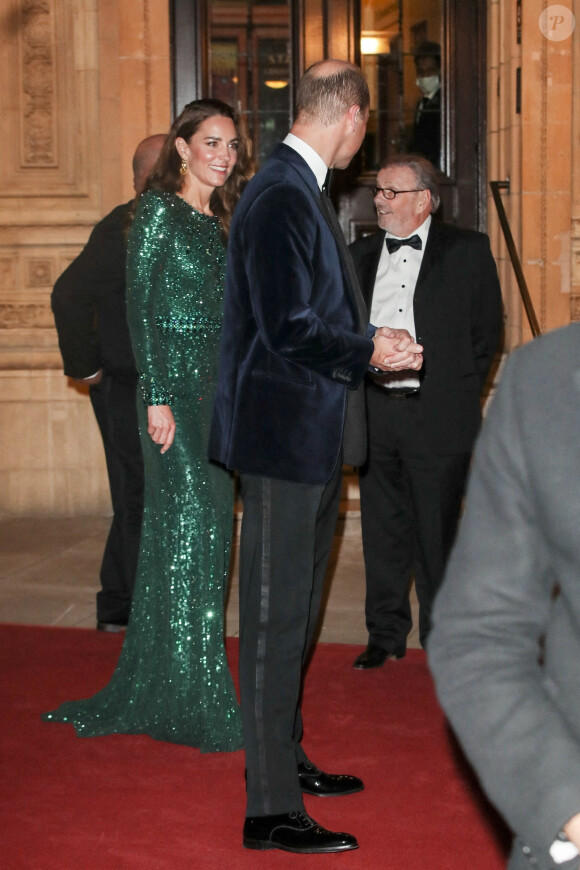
{"x":429,"y":264}
{"x":369,"y":266}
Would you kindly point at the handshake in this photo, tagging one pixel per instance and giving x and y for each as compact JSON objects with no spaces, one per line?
{"x":395,"y":350}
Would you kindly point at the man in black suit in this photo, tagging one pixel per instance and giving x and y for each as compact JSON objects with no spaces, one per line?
{"x":439,"y":282}
{"x":505,"y":644}
{"x":426,"y":138}
{"x":88,"y":303}
{"x":294,"y":343}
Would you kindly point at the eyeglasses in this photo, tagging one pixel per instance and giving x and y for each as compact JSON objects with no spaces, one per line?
{"x":389,"y":193}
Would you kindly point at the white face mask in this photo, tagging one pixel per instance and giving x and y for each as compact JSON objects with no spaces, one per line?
{"x":427,"y":84}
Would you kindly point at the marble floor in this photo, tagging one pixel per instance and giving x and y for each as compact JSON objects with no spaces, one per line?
{"x":49,"y":574}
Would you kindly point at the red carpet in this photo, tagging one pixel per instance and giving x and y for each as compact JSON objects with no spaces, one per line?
{"x":131,"y":803}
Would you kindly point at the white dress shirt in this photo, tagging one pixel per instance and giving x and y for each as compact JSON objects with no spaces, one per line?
{"x":393,"y":295}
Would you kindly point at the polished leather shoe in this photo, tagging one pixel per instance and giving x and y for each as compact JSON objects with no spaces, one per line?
{"x":294,"y":832}
{"x":376,"y":656}
{"x":112,"y":627}
{"x":315,"y":781}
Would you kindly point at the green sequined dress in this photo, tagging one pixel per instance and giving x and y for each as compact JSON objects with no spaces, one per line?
{"x":172,"y":679}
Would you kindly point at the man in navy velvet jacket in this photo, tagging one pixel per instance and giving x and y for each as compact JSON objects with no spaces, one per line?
{"x":294,"y":339}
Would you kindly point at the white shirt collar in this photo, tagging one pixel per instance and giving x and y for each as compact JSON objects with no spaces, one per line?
{"x":422,"y":232}
{"x":432,"y":93}
{"x":312,"y":158}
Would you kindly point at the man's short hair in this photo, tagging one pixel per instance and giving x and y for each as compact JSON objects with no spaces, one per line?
{"x":324,"y":98}
{"x":424,"y":173}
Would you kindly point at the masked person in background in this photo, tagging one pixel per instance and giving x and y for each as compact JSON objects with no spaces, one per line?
{"x":426,"y":139}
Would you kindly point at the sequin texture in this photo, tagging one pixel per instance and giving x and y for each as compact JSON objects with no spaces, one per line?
{"x":172,"y":680}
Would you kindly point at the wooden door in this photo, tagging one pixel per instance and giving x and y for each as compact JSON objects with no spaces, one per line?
{"x":237,"y":49}
{"x":402,"y":29}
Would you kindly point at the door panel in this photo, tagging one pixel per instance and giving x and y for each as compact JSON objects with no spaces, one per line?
{"x":401,"y":42}
{"x":252,"y":52}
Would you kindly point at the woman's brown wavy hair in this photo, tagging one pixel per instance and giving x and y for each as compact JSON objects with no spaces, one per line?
{"x":165,"y":175}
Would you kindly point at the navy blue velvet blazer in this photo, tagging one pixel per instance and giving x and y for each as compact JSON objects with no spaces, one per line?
{"x":290,"y":342}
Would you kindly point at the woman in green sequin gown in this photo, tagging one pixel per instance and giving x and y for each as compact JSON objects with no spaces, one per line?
{"x":172,"y":680}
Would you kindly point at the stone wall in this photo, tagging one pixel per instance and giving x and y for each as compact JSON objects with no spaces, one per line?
{"x":83,"y":82}
{"x":534,"y":141}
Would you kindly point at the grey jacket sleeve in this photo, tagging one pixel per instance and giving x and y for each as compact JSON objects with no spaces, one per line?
{"x":496,"y":604}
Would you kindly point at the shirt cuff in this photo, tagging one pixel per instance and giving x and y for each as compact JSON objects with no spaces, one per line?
{"x":562,"y":849}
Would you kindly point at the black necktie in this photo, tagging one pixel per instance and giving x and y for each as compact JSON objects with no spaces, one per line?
{"x":413,"y":242}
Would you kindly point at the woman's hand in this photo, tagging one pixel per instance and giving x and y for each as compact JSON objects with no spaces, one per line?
{"x":161,"y":425}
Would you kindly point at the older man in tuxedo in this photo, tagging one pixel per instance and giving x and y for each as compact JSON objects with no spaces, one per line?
{"x":295,"y":342}
{"x":439,"y":282}
{"x":505,"y":644}
{"x":88,"y":303}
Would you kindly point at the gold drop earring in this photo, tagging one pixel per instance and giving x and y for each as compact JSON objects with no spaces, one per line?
{"x":184,"y":168}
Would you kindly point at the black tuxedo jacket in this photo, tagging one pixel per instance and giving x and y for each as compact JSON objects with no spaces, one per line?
{"x":88,"y":303}
{"x":458,"y":320}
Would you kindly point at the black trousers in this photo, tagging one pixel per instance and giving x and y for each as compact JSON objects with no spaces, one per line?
{"x":410,"y":505}
{"x":286,"y":538}
{"x":114,"y":403}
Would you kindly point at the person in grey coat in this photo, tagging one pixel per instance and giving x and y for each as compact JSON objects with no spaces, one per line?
{"x":505,"y":643}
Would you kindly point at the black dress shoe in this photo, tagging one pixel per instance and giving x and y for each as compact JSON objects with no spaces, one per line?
{"x":376,"y":656}
{"x":294,"y":832}
{"x":112,"y":627}
{"x":315,"y":781}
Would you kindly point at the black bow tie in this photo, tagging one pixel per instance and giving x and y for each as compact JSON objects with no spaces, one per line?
{"x":413,"y":242}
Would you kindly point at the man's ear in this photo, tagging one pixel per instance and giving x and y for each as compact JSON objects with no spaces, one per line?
{"x":354,"y":116}
{"x":424,"y":200}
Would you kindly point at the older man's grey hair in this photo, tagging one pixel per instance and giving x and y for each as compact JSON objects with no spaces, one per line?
{"x":425,"y":174}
